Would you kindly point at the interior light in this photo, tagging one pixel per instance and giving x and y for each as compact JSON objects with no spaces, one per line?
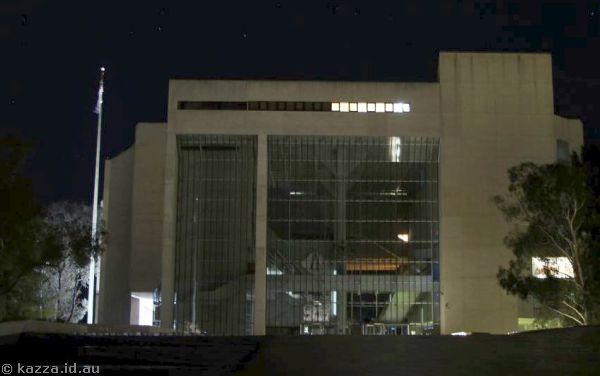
{"x":389,"y":107}
{"x":353,"y":107}
{"x":274,"y":271}
{"x":398,"y":107}
{"x":344,"y":107}
{"x":145,"y":307}
{"x":371,"y":107}
{"x":334,"y":303}
{"x":403,"y":237}
{"x":335,"y":107}
{"x":379,"y":107}
{"x":395,"y":149}
{"x":462,"y":334}
{"x":362,"y":107}
{"x":296,"y":193}
{"x":292,"y":295}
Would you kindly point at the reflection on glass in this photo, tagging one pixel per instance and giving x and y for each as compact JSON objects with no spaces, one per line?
{"x":214,"y":250}
{"x":357,"y":250}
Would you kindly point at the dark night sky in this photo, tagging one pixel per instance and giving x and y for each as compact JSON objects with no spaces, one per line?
{"x":52,"y":50}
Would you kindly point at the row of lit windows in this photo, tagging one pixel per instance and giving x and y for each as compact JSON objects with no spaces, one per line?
{"x":370,"y":107}
{"x":295,"y":106}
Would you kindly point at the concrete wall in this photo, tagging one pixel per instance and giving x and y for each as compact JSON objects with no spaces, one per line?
{"x":147,"y":206}
{"x":497,"y":112}
{"x":115,"y":262}
{"x":133,"y":204}
{"x":570,"y":130}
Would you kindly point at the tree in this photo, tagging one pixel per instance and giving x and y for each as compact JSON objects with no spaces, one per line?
{"x":66,"y":277}
{"x":42,"y":252}
{"x":24,"y":245}
{"x":554,"y":214}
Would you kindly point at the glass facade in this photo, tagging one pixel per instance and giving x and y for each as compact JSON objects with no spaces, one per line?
{"x":352,"y":235}
{"x":353,"y":245}
{"x":215,"y":236}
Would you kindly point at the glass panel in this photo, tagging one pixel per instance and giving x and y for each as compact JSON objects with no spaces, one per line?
{"x":214,"y":257}
{"x":336,"y":208}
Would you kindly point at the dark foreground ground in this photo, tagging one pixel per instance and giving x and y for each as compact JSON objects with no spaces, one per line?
{"x":573,"y":351}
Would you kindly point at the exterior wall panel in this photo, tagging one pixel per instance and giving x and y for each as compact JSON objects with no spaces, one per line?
{"x":114,"y":301}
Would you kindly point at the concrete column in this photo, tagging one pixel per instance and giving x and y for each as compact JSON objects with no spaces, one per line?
{"x":169,"y":230}
{"x":260,"y":269}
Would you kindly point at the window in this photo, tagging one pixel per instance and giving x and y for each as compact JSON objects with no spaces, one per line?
{"x":562,"y":151}
{"x":295,"y":106}
{"x":557,"y":267}
{"x":371,"y":220}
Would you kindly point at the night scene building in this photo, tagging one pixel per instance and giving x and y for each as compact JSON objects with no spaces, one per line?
{"x":317,"y":207}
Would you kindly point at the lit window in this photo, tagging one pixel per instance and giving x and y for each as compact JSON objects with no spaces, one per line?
{"x":371,"y":107}
{"x":389,"y":107}
{"x":335,"y":107}
{"x":398,"y":107}
{"x":353,"y":107}
{"x":557,"y":267}
{"x":406,"y":107}
{"x":379,"y":107}
{"x":362,"y":107}
{"x":403,"y":237}
{"x":344,"y":107}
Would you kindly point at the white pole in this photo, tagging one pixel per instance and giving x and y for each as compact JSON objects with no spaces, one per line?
{"x":92,"y":279}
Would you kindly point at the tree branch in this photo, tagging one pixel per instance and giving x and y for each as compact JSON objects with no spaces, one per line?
{"x":576,"y":311}
{"x":564,"y":314}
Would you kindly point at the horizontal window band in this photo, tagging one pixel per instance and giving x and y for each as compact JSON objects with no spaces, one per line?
{"x":375,"y":107}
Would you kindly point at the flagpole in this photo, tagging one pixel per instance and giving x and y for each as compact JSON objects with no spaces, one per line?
{"x":92,"y":277}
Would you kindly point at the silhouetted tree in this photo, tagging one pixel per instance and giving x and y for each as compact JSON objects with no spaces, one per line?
{"x":24,"y":243}
{"x":553,"y":212}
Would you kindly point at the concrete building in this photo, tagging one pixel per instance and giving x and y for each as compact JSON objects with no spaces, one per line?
{"x":291,"y":207}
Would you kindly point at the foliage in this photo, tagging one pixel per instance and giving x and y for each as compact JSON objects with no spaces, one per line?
{"x":65,"y":279}
{"x":553,"y":212}
{"x":24,"y":243}
{"x":42,"y":252}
